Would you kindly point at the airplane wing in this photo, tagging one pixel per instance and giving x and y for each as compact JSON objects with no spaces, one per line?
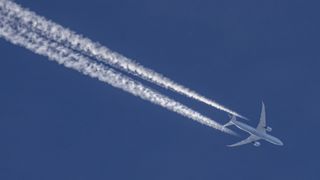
{"x":250,"y":139}
{"x":262,"y":124}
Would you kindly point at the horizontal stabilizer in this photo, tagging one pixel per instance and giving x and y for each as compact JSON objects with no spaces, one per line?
{"x":228,"y":124}
{"x":233,"y":118}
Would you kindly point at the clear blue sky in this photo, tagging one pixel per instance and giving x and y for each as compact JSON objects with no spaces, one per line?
{"x":56,"y":123}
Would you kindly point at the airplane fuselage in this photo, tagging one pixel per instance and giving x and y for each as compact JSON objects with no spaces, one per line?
{"x":253,"y":131}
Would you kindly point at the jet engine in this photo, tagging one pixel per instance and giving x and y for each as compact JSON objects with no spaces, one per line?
{"x":256,"y":144}
{"x":269,"y":129}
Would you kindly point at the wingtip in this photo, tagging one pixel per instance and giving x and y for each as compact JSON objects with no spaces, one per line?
{"x":231,"y":145}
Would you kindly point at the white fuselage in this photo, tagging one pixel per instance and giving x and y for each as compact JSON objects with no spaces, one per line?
{"x":260,"y":134}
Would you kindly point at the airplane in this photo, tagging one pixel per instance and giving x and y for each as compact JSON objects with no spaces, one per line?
{"x":255,"y":134}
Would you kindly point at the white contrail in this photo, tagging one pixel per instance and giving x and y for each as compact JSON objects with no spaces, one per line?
{"x":20,"y":35}
{"x":95,"y":50}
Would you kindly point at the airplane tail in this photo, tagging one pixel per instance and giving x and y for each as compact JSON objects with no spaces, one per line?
{"x":233,"y":118}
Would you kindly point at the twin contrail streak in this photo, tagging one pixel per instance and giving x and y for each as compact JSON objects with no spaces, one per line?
{"x":18,"y":33}
{"x":94,"y":50}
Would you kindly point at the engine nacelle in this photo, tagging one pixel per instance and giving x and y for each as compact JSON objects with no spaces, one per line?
{"x":256,"y":144}
{"x":269,"y":129}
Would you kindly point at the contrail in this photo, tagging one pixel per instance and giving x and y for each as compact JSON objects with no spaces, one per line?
{"x":18,"y":34}
{"x":94,"y":50}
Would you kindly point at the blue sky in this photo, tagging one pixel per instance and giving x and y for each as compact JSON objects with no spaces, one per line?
{"x":56,"y":123}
